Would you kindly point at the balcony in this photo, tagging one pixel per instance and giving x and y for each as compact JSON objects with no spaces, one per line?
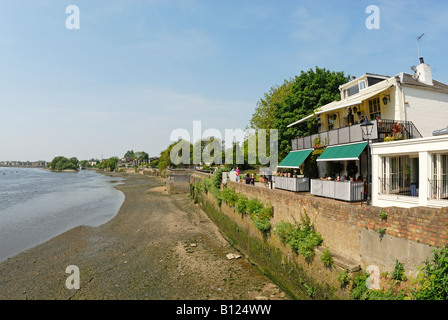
{"x":383,"y":130}
{"x":346,"y":191}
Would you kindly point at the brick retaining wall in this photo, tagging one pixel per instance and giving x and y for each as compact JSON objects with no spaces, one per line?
{"x":352,"y":229}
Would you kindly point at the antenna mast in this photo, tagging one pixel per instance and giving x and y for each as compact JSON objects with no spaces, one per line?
{"x":418,"y":47}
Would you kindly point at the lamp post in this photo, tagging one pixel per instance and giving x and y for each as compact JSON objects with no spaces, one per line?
{"x":367,"y":128}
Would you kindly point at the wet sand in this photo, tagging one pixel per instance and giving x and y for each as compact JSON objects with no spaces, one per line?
{"x":159,"y":246}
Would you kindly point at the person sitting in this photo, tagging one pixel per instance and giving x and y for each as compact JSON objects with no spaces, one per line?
{"x":247,"y":179}
{"x":252,"y":179}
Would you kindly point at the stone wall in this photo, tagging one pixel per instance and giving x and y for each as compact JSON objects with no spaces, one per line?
{"x":300,"y":278}
{"x":353,"y":230}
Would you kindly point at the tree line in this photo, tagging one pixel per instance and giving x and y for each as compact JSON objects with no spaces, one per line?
{"x":282,"y":105}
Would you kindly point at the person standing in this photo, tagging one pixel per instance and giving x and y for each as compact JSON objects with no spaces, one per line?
{"x":237,"y":174}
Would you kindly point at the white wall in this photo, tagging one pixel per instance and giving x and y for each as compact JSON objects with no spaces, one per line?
{"x":423,"y":147}
{"x":428,"y":110}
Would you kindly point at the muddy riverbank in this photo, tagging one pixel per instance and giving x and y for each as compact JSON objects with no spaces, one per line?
{"x":159,"y":246}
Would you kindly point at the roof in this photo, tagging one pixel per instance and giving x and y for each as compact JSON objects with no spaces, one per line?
{"x":407,"y":79}
{"x":350,"y":101}
{"x":365,"y":75}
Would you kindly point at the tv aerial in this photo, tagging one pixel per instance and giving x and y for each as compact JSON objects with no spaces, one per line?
{"x":418,"y":46}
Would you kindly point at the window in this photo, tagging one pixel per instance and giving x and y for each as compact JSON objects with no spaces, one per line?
{"x":400,"y":175}
{"x":362,"y":85}
{"x":374,"y":108}
{"x":330,"y":122}
{"x":439,"y":182}
{"x":353,"y":90}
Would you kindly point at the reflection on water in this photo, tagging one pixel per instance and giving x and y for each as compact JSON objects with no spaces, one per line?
{"x":37,"y":204}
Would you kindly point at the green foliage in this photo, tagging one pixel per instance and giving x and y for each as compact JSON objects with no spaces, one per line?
{"x":430,"y":284}
{"x":176,"y":149}
{"x":109,"y":164}
{"x":383,"y":215}
{"x":198,"y":186}
{"x":359,"y":289}
{"x":261,"y":219}
{"x":253,"y":207}
{"x":398,"y":273}
{"x":263,"y":117}
{"x":154,"y":163}
{"x":302,"y":237}
{"x":217,"y":178}
{"x":433,"y":283}
{"x":309,"y":91}
{"x":344,"y":278}
{"x":216,"y":194}
{"x":241,"y":205}
{"x":129,"y":154}
{"x":310,"y":165}
{"x":62,"y":163}
{"x":229,"y":196}
{"x":207,"y":184}
{"x":141,"y":156}
{"x":262,"y":223}
{"x":326,"y":258}
{"x":381,"y":231}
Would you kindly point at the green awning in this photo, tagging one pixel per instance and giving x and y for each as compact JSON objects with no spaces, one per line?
{"x":343,"y":152}
{"x":295,"y":158}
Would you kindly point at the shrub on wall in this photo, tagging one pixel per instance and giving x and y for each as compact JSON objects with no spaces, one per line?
{"x":241,"y":204}
{"x":302,"y":237}
{"x":229,"y":196}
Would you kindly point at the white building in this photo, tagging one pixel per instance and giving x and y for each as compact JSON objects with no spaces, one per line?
{"x":405,"y":109}
{"x":410,"y":173}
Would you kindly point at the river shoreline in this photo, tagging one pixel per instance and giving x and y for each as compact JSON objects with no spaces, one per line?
{"x":158,"y":246}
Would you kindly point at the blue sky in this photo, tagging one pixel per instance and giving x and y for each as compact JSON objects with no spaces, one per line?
{"x":136,"y":70}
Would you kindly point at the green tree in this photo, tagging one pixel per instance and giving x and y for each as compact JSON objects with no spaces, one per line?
{"x":309,"y":91}
{"x":129,"y":154}
{"x":109,"y":164}
{"x":165,"y":159}
{"x":62,"y":163}
{"x":141,"y":156}
{"x":264,"y":117}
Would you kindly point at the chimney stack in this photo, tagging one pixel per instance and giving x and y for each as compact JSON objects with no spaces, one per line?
{"x":423,"y":73}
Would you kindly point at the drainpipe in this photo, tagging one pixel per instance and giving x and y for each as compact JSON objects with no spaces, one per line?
{"x":400,"y":87}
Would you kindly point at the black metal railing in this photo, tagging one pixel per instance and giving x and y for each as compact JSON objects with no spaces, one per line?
{"x":438,"y":189}
{"x":398,"y":185}
{"x":384,"y":130}
{"x":396,"y":130}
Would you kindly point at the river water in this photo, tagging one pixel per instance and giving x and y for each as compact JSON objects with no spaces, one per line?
{"x":37,"y":205}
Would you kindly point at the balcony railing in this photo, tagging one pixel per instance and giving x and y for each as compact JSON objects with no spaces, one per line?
{"x":346,"y":191}
{"x":383,"y":130}
{"x":399,"y":186}
{"x":438,"y":189}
